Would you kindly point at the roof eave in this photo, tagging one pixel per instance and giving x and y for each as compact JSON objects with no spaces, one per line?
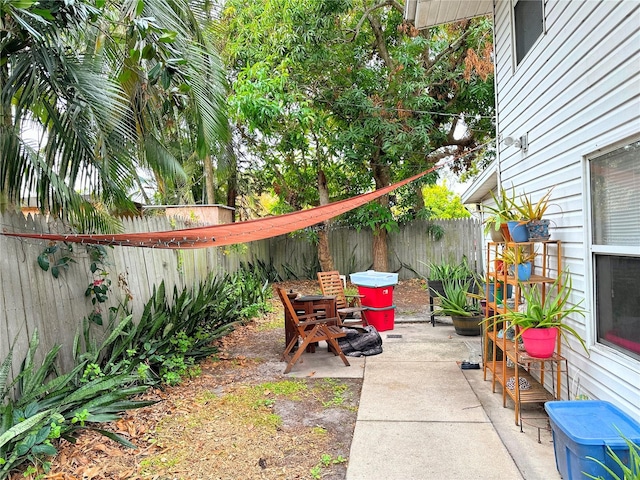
{"x":482,"y":185}
{"x":428,"y":13}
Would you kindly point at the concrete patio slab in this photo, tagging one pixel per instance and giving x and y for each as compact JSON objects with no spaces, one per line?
{"x":428,"y":450}
{"x":418,"y":391}
{"x":422,"y":417}
{"x":323,"y":364}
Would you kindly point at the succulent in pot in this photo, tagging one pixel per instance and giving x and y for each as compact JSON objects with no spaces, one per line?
{"x":501,"y":212}
{"x":462,"y":305}
{"x":540,"y":312}
{"x":517,"y":257}
{"x":531,"y":213}
{"x":527,"y":210}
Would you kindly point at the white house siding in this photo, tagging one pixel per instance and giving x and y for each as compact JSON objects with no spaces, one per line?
{"x":576,"y":91}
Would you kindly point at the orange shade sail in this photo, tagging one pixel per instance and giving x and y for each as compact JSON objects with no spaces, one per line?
{"x":227,"y":234}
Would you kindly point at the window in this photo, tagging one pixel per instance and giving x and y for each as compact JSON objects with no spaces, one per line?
{"x":528,"y":22}
{"x":615,"y":221}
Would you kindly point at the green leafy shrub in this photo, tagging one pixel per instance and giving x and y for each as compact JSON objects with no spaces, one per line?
{"x":38,"y":407}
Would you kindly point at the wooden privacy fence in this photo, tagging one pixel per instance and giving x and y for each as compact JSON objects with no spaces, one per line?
{"x":31,"y":298}
{"x":410,"y":250}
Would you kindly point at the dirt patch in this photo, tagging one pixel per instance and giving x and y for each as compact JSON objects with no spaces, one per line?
{"x":241,"y":418}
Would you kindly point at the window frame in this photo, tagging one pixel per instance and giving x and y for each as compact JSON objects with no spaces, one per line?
{"x":514,"y":46}
{"x":595,"y":250}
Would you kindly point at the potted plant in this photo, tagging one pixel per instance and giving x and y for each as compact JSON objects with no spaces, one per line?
{"x":518,"y":257}
{"x":439,"y":272}
{"x":542,"y":317}
{"x":501,"y":212}
{"x":462,"y":306}
{"x":531,"y":214}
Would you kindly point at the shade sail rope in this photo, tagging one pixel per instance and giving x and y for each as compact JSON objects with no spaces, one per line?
{"x":226,"y":234}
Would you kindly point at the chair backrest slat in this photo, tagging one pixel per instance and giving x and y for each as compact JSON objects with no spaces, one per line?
{"x":284,"y":298}
{"x":331,"y":285}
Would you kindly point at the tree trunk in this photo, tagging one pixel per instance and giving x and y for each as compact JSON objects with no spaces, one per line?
{"x":324,"y":252}
{"x":380,"y":257}
{"x":208,"y":180}
{"x":382,"y":177}
{"x":232,"y":181}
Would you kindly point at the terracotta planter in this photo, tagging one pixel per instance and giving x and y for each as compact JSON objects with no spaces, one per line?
{"x":504,"y":228}
{"x":468,"y":326}
{"x":540,"y":342}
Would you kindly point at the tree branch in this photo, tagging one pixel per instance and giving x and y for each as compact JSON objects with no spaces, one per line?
{"x":381,"y":45}
{"x":368,"y":11}
{"x":447,"y":51}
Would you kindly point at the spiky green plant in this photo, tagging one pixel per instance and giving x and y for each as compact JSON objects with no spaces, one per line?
{"x":457,"y":299}
{"x":39,"y":406}
{"x":630,"y":471}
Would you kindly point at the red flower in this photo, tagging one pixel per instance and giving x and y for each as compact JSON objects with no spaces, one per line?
{"x":97,"y":283}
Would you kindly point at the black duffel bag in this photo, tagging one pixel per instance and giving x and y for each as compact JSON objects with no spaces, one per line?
{"x":361,"y":341}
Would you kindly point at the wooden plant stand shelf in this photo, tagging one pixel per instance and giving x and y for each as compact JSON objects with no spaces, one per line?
{"x":502,"y":359}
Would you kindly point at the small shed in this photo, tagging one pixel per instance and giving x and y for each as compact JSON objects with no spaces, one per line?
{"x":214,"y":214}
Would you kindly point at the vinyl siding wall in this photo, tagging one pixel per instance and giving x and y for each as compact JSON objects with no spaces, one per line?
{"x":576,"y":92}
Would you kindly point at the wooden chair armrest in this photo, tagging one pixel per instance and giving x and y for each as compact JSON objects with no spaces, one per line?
{"x":319,"y":320}
{"x":310,"y":315}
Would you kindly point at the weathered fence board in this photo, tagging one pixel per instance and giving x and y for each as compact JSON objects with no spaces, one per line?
{"x":31,"y":298}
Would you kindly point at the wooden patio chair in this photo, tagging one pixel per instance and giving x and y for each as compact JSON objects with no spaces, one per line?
{"x":350,"y":311}
{"x":311,"y":328}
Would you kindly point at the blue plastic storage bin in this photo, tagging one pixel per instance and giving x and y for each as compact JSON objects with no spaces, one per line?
{"x":584,"y":428}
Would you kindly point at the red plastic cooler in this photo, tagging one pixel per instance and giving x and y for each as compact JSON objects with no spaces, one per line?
{"x":377,"y":297}
{"x":376,"y":289}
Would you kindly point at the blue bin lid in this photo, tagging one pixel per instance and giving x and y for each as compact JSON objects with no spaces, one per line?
{"x":374,"y":279}
{"x":593,"y":422}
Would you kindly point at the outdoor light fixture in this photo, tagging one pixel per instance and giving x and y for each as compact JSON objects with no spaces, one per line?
{"x":520,"y":143}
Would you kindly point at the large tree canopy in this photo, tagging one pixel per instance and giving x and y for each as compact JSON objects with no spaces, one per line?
{"x":338,"y":97}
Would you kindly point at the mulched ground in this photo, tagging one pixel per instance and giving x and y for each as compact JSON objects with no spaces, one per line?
{"x":240,"y":419}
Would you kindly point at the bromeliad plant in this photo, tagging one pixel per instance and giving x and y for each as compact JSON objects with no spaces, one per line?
{"x":512,"y":255}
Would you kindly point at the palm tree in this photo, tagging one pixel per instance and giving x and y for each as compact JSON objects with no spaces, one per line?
{"x":61,"y":128}
{"x":101,"y":89}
